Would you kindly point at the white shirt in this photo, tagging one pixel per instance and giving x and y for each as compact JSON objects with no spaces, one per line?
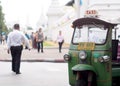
{"x":17,"y":38}
{"x":60,"y":38}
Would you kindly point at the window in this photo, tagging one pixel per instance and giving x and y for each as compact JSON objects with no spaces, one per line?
{"x":90,"y":34}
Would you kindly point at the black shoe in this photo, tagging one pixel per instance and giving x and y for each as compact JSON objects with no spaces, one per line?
{"x":18,"y":73}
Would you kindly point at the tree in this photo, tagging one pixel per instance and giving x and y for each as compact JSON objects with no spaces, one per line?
{"x":3,"y":27}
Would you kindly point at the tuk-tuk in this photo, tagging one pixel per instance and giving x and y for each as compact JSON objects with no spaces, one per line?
{"x":92,"y":56}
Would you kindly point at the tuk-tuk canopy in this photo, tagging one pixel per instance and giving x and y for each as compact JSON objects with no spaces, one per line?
{"x":88,"y":21}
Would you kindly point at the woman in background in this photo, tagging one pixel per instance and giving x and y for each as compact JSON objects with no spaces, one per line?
{"x":60,"y":40}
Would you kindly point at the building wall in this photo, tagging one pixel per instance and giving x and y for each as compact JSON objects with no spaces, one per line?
{"x":106,"y":11}
{"x":67,"y":32}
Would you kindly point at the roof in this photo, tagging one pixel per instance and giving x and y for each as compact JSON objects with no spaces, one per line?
{"x":88,"y":21}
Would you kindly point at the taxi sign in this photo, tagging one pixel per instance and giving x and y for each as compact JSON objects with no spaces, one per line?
{"x":91,"y":13}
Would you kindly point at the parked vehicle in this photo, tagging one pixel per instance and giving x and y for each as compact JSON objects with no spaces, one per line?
{"x":92,"y":56}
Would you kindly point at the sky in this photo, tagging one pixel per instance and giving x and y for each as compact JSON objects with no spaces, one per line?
{"x":26,"y":12}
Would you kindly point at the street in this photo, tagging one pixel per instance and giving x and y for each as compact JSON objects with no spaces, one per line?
{"x":50,"y":54}
{"x":34,"y":74}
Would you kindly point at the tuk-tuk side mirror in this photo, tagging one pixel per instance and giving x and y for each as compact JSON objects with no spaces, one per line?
{"x":105,"y":58}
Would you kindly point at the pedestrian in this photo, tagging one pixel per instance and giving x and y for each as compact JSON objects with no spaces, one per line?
{"x":39,"y":40}
{"x":3,"y":39}
{"x":27,"y":38}
{"x":32,"y":39}
{"x":15,"y":46}
{"x":60,"y":40}
{"x":0,"y":39}
{"x":35,"y":43}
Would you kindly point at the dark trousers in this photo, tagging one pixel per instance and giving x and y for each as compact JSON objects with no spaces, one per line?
{"x":40,"y":46}
{"x":16,"y":57}
{"x":60,"y":46}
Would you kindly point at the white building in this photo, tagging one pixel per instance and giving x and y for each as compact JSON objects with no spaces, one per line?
{"x":42,"y":21}
{"x":61,"y":18}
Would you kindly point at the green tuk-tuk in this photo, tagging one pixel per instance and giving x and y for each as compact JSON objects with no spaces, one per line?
{"x":92,"y":56}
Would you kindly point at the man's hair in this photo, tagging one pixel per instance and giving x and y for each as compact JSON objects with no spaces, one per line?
{"x":16,"y":26}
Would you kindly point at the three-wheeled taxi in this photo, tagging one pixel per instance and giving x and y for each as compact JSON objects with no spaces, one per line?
{"x":92,"y":56}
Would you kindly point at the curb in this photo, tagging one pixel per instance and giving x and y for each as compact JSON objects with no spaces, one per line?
{"x":40,"y":60}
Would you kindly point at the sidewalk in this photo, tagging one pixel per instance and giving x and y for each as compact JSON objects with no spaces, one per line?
{"x":51,"y":54}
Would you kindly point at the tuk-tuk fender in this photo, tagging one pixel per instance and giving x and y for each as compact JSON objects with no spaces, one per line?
{"x":83,"y":67}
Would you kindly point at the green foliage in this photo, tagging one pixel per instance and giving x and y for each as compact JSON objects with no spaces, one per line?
{"x":47,"y":44}
{"x":3,"y":27}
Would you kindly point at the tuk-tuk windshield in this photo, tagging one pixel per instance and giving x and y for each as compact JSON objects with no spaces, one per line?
{"x":90,"y":34}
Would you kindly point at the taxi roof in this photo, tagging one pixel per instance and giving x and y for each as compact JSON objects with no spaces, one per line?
{"x":88,"y":21}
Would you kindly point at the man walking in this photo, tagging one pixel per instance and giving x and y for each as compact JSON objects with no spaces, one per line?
{"x":15,"y":45}
{"x":39,"y":40}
